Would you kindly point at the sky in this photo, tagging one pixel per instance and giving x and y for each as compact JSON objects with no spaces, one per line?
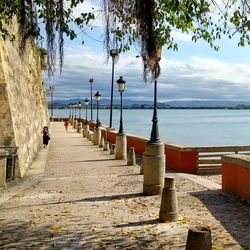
{"x":194,"y":72}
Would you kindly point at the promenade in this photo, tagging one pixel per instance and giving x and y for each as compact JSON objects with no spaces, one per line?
{"x":76,"y":196}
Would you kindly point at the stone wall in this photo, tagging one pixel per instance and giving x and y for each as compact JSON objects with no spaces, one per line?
{"x":23,"y":108}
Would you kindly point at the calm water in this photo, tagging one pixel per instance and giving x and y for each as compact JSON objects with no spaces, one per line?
{"x":190,"y":127}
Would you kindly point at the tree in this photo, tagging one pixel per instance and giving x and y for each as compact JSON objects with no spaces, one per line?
{"x":149,"y":23}
{"x":54,"y":15}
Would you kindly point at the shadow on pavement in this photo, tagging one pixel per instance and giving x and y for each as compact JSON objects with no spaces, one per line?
{"x":138,"y":223}
{"x":18,"y":234}
{"x":233,"y":214}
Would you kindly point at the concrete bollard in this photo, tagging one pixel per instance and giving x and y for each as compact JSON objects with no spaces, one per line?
{"x":3,"y":155}
{"x":131,"y":157}
{"x":91,"y":135}
{"x":121,"y":146}
{"x":97,"y":136}
{"x":153,"y":168}
{"x":101,"y":145}
{"x":141,"y":169}
{"x":199,"y":238}
{"x":112,"y":149}
{"x":169,"y":204}
{"x":106,"y":146}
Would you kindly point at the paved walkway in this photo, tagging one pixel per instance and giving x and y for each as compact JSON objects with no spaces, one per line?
{"x":84,"y":199}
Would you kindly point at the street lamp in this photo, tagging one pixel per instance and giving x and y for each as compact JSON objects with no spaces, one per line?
{"x":98,"y":98}
{"x":154,"y":137}
{"x":51,"y":90}
{"x":113,"y":53}
{"x":91,"y":113}
{"x":74,"y":117}
{"x":75,"y":106}
{"x":79,"y":107}
{"x":121,"y":139}
{"x":69,"y":111}
{"x":154,"y":157}
{"x":86,"y":103}
{"x":121,"y":88}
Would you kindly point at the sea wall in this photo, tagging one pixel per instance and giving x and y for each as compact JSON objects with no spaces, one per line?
{"x":23,"y":110}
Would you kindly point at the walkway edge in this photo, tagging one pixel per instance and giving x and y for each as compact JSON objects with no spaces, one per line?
{"x":32,"y":176}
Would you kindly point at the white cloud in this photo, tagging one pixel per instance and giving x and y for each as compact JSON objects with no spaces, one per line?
{"x":181,"y":36}
{"x":199,"y":78}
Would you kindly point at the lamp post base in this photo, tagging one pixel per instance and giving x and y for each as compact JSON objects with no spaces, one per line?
{"x":85,"y":131}
{"x":79,"y":127}
{"x":121,"y":146}
{"x":153,"y":168}
{"x":97,"y":136}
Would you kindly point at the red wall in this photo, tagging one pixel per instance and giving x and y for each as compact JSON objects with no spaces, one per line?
{"x":181,"y":161}
{"x":236,"y":179}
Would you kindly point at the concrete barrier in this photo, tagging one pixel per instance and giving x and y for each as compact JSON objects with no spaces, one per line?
{"x":236,"y":175}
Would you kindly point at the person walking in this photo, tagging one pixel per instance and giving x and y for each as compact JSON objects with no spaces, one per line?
{"x":66,"y":124}
{"x":46,"y":136}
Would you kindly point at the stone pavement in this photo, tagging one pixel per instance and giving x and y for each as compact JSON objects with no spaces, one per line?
{"x":84,"y":199}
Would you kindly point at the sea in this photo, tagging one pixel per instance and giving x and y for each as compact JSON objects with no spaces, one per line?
{"x":194,"y":127}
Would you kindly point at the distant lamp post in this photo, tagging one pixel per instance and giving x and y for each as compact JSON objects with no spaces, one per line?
{"x":69,"y":111}
{"x":121,"y":88}
{"x":74,"y":118}
{"x":97,"y":131}
{"x":86,"y":103}
{"x":79,"y":127}
{"x":113,"y":53}
{"x":80,"y":109}
{"x":51,"y":91}
{"x":98,"y":98}
{"x":91,"y":104}
{"x":121,"y":139}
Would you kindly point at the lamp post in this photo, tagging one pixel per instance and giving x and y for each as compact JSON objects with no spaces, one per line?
{"x":79,"y":108}
{"x":91,"y":104}
{"x":74,"y":122}
{"x":154,"y":157}
{"x":69,"y":111}
{"x":97,"y":131}
{"x":121,"y":88}
{"x":79,"y":105}
{"x":98,"y":98}
{"x":86,"y":103}
{"x":113,"y":53}
{"x":51,"y":90}
{"x":121,"y":139}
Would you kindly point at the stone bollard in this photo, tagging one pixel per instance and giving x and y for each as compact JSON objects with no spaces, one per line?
{"x":141,"y":169}
{"x":101,"y":145}
{"x":3,"y":155}
{"x":83,"y":131}
{"x":131,"y":157}
{"x":97,"y":136}
{"x":106,"y":146}
{"x":91,"y":135}
{"x":169,"y":204}
{"x":121,"y":146}
{"x":153,"y":168}
{"x":199,"y":238}
{"x":112,"y":149}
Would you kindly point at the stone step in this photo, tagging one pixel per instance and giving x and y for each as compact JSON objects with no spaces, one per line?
{"x":209,"y":170}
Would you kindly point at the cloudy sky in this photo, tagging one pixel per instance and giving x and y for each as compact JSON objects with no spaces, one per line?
{"x":194,"y":72}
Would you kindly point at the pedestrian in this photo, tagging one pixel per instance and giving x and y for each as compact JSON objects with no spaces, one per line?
{"x":46,"y":136}
{"x":66,"y":124}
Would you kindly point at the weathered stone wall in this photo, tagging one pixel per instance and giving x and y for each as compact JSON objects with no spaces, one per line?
{"x":23,"y":109}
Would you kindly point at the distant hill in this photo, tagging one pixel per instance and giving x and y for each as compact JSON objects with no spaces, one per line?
{"x":128,"y":103}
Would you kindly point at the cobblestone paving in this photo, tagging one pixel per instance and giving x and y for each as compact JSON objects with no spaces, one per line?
{"x":88,"y":200}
